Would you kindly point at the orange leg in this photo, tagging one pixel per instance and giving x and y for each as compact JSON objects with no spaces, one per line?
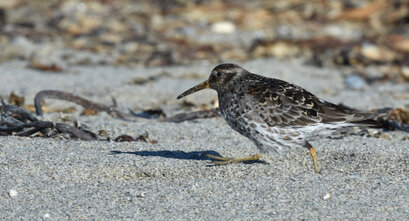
{"x":313,"y":154}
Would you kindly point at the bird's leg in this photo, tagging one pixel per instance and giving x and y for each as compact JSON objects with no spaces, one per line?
{"x":225,"y":160}
{"x":313,"y":154}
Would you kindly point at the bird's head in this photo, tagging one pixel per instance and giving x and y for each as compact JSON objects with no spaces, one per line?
{"x":222,"y":78}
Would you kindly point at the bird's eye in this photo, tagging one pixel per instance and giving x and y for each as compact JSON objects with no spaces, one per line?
{"x":219,"y":74}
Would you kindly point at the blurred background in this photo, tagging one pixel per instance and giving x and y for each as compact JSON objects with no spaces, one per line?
{"x":369,"y":40}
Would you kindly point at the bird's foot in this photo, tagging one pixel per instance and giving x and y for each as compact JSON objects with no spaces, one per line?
{"x":313,"y":154}
{"x":225,"y":160}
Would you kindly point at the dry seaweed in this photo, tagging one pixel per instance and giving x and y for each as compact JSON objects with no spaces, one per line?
{"x":394,"y":118}
{"x":141,"y":138}
{"x":92,"y":108}
{"x":87,"y":104}
{"x":143,"y":81}
{"x":44,"y":67}
{"x":15,"y":120}
{"x":15,"y":99}
{"x":193,"y":116}
{"x":149,"y":114}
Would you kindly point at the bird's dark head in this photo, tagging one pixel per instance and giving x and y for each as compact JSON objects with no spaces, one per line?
{"x":222,"y":77}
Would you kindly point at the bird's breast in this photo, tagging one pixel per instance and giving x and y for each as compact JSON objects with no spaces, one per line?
{"x":234,"y":110}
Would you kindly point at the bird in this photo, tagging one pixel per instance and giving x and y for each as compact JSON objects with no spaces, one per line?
{"x":275,"y":115}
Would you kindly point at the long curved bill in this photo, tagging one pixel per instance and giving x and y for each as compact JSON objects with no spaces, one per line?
{"x":192,"y":90}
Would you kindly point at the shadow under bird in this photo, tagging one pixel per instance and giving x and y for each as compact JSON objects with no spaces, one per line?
{"x":276,"y":115}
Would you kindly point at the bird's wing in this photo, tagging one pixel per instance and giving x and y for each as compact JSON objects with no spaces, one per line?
{"x":280,"y":103}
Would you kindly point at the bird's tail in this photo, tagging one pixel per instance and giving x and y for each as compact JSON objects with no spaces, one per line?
{"x":364,"y":119}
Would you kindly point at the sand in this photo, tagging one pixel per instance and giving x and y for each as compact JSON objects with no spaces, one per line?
{"x":41,"y":178}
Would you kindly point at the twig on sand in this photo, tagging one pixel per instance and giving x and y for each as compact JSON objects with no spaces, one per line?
{"x":87,"y":104}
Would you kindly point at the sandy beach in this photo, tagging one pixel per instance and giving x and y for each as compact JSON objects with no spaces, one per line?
{"x":53,"y":178}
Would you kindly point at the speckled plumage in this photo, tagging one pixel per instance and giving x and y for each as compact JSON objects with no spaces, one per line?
{"x":274,"y":114}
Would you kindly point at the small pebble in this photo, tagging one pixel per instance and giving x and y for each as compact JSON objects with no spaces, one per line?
{"x":327,"y":196}
{"x":371,"y":51}
{"x":385,"y":136}
{"x":355,"y":82}
{"x":223,"y":27}
{"x":13,"y":193}
{"x":405,"y":72}
{"x":372,"y":132}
